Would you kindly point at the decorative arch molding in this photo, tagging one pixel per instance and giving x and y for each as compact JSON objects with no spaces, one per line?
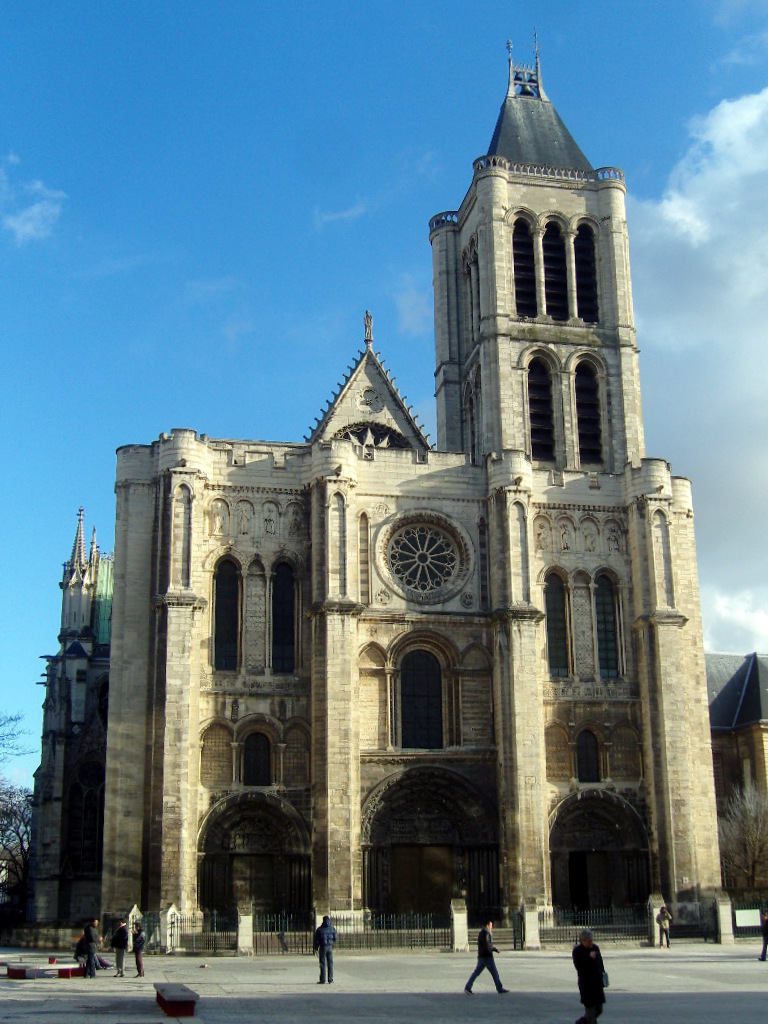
{"x":586,"y":356}
{"x":476,"y":658}
{"x":527,"y":355}
{"x":258,"y":723}
{"x":426,"y":640}
{"x":253,"y":821}
{"x":228,"y":551}
{"x":552,"y":217}
{"x":616,"y":821}
{"x":521,"y":213}
{"x":291,"y":558}
{"x":576,"y":222}
{"x":216,"y":720}
{"x":440,"y":806}
{"x":372,"y":656}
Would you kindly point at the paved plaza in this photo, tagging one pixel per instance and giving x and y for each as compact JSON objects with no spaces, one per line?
{"x":692,"y":983}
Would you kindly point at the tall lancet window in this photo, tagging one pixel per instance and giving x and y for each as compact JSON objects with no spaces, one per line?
{"x":525,"y":273}
{"x":557,"y":626}
{"x":283,"y":619}
{"x":588,"y":757}
{"x":421,"y":701}
{"x":226,"y":616}
{"x":588,"y":416}
{"x":182,"y":530}
{"x":605,"y":625}
{"x":586,"y":275}
{"x":555,"y":274}
{"x":540,"y":410}
{"x":257,"y":760}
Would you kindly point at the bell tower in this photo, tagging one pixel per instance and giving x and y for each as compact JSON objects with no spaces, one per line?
{"x":534,"y":332}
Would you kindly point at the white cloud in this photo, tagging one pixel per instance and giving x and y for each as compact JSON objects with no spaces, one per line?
{"x":330,"y":217}
{"x":700,"y":275}
{"x":30,"y":210}
{"x":414,"y":308}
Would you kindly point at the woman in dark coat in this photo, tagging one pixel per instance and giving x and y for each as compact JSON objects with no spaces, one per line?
{"x":589,"y":967}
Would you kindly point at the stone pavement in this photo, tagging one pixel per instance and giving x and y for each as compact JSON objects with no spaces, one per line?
{"x":692,"y":983}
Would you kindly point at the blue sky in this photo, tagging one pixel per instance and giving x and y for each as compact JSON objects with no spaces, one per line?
{"x":198,"y":201}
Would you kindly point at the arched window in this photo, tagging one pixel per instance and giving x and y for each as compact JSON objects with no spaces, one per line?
{"x":525,"y":274}
{"x":85,"y":819}
{"x":227,"y":615}
{"x":540,"y":410}
{"x":257,"y":760}
{"x":283,"y":619}
{"x":588,"y":757}
{"x":557,"y":626}
{"x":605,"y":624}
{"x":555,"y":275}
{"x":363,"y":559}
{"x":588,"y":415}
{"x":421,"y":701}
{"x":586,"y":278}
{"x":469,"y":414}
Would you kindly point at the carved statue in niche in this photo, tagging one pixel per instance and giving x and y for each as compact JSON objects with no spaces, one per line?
{"x":243,"y":521}
{"x":590,"y":539}
{"x":218,"y":518}
{"x":614,"y":540}
{"x":566,"y":542}
{"x":269,"y":522}
{"x":542,"y":536}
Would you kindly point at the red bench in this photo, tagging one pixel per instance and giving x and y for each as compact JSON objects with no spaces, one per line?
{"x":73,"y":971}
{"x":176,"y":1000}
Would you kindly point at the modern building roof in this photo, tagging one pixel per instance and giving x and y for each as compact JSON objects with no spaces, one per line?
{"x":529,"y":129}
{"x":738,"y":690}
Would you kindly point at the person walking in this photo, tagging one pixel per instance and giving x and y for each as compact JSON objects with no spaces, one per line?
{"x":139,"y":939}
{"x":764,"y":933}
{"x":662,"y":920}
{"x":589,"y":968}
{"x":325,"y":936}
{"x":119,"y":943}
{"x":485,"y":961}
{"x":91,"y":936}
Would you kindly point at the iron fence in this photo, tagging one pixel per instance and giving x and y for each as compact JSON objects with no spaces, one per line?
{"x":746,"y":916}
{"x":392,"y":931}
{"x":282,"y":933}
{"x":203,"y":931}
{"x":610,"y":924}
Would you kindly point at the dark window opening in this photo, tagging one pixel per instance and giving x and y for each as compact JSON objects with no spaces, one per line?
{"x":257,"y":760}
{"x":557,"y":627}
{"x":421,"y":700}
{"x":540,"y":409}
{"x":555,"y":274}
{"x":587,"y":757}
{"x":104,"y":703}
{"x":283,"y":620}
{"x":586,"y":275}
{"x":525,"y":273}
{"x":588,"y":415}
{"x":227,"y":616}
{"x":85,"y":819}
{"x":605,"y":621}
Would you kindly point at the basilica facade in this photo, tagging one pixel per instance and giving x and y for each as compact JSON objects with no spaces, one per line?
{"x":362,"y":672}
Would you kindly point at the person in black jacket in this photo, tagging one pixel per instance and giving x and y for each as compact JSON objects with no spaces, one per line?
{"x":589,"y":967}
{"x":485,"y":961}
{"x":119,"y":943}
{"x":139,"y":938}
{"x":92,"y":940}
{"x":764,"y":933}
{"x":325,"y":936}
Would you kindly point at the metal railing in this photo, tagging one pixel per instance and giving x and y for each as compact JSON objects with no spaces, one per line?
{"x":393,"y":931}
{"x":746,"y":916}
{"x":212,"y":932}
{"x":283,"y":933}
{"x":610,"y":924}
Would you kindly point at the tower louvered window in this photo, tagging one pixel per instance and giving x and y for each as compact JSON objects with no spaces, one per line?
{"x":605,"y":625}
{"x":227,"y":616}
{"x":586,"y":276}
{"x":555,"y":274}
{"x":525,"y":273}
{"x":540,"y":410}
{"x":557,"y":626}
{"x":588,"y":415}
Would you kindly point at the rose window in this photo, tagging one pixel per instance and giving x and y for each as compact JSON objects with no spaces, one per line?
{"x":422,"y":558}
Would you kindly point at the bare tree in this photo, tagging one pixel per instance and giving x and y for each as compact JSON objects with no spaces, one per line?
{"x":743,"y":830}
{"x":15,"y":838}
{"x":10,"y":737}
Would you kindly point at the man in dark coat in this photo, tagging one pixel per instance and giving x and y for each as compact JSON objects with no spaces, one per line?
{"x":119,"y":943}
{"x":91,"y":936}
{"x":485,"y":961}
{"x":589,"y":967}
{"x":764,"y":933}
{"x":325,"y":936}
{"x":139,"y":939}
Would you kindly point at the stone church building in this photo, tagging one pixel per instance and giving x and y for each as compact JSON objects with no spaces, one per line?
{"x":361,"y":672}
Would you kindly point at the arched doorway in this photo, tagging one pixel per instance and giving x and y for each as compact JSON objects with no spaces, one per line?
{"x":599,"y":852}
{"x":254,"y":849}
{"x":429,"y":836}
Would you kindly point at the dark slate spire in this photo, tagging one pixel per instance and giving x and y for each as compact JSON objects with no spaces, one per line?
{"x":529,"y":129}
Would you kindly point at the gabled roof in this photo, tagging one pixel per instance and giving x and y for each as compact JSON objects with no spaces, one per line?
{"x":529,"y":129}
{"x":76,"y":650}
{"x":367,"y":408}
{"x":738,"y":690}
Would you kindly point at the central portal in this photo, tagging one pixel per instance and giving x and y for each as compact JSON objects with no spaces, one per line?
{"x":422,"y":879}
